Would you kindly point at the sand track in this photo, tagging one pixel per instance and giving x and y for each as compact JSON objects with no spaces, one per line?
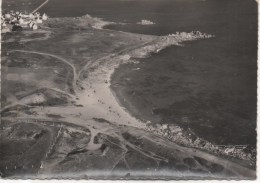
{"x":54,"y":56}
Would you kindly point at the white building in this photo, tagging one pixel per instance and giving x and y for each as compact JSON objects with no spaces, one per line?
{"x":39,"y":21}
{"x":35,"y":26}
{"x":44,"y":17}
{"x":31,"y":16}
{"x":30,"y":24}
{"x":7,"y":16}
{"x":21,"y":21}
{"x":24,"y":16}
{"x":3,"y":24}
{"x":5,"y":30}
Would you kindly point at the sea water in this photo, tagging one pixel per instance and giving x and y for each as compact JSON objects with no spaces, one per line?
{"x":207,"y":86}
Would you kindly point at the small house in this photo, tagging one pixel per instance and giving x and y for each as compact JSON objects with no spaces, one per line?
{"x":39,"y":21}
{"x":37,"y":14}
{"x":30,"y":24}
{"x":26,"y":22}
{"x":20,"y":20}
{"x":5,"y":30}
{"x":44,"y":17}
{"x":3,"y":24}
{"x":31,"y":16}
{"x":25,"y":16}
{"x":14,"y":19}
{"x":35,"y":26}
{"x":8,"y":16}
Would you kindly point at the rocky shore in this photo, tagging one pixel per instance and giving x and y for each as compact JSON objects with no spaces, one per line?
{"x":178,"y":135}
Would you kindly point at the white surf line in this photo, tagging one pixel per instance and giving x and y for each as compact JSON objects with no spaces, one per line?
{"x":57,"y":57}
{"x":39,"y":7}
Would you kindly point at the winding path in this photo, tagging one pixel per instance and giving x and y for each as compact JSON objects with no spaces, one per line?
{"x":75,"y":76}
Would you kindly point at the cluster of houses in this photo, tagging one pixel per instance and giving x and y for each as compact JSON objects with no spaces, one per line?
{"x":17,"y":21}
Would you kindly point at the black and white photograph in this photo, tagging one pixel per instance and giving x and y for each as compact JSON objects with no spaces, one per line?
{"x":129,"y":89}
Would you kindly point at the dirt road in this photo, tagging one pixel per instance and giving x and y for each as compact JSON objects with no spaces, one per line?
{"x":75,"y":76}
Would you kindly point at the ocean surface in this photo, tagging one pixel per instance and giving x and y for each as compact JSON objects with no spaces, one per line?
{"x":208,"y":86}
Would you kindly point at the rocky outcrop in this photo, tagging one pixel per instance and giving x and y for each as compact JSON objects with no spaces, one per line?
{"x":178,"y":135}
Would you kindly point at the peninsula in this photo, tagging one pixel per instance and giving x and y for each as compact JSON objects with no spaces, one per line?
{"x":60,"y":117}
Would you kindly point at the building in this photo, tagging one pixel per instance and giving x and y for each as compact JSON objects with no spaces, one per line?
{"x":24,"y":15}
{"x":31,"y":16}
{"x":44,"y":17}
{"x":17,"y":21}
{"x":20,"y":20}
{"x":3,"y":24}
{"x":7,"y":16}
{"x":30,"y":24}
{"x":35,"y":26}
{"x":39,"y":21}
{"x":5,"y":30}
{"x":14,"y":19}
{"x":37,"y":14}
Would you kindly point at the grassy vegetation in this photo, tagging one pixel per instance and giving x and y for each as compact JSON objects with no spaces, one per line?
{"x":23,"y":74}
{"x":20,"y":142}
{"x":70,"y":39}
{"x":25,"y":145}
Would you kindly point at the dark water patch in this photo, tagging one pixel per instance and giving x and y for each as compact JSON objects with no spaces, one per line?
{"x":183,"y":87}
{"x":211,"y":16}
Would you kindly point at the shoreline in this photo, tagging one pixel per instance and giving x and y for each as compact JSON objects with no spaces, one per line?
{"x":182,"y":136}
{"x":176,"y":133}
{"x":97,"y":90}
